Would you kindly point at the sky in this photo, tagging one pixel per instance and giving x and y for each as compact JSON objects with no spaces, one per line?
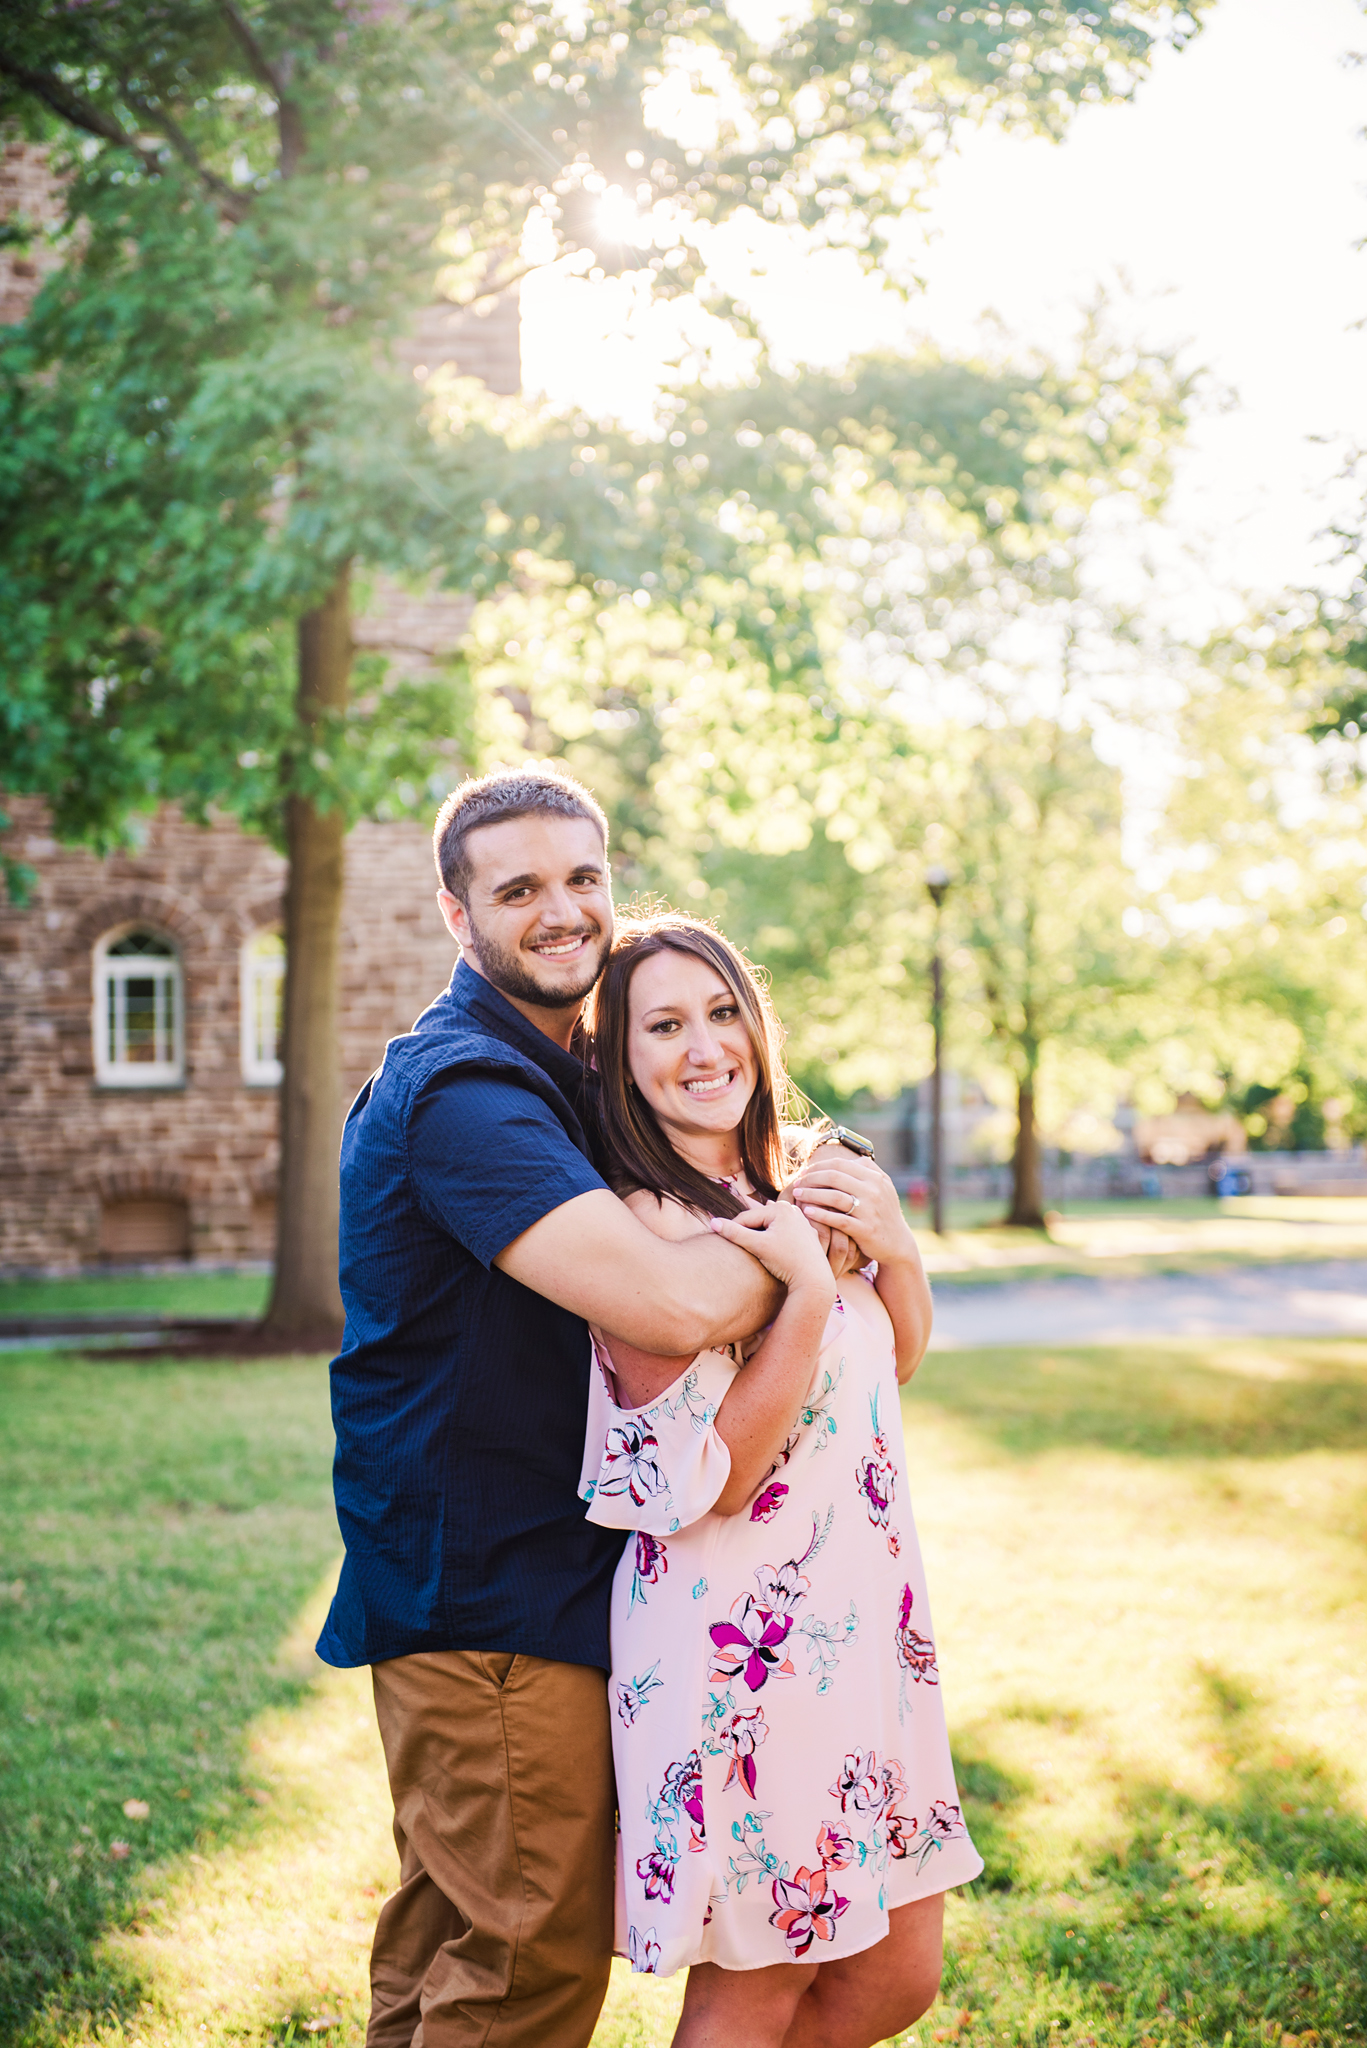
{"x":1220,"y":209}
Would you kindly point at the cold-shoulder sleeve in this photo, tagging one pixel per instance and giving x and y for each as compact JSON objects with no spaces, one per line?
{"x":660,"y":1467}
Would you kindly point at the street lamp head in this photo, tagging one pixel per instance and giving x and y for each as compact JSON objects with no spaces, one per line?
{"x":937,"y":884}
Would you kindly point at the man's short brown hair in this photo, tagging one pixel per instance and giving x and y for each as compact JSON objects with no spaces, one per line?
{"x":537,"y":788}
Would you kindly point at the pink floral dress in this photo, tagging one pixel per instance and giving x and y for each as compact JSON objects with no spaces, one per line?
{"x":783,"y":1769}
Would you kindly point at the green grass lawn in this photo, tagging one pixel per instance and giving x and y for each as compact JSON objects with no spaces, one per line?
{"x":1148,"y":1570}
{"x":1131,"y":1239}
{"x":186,"y":1293}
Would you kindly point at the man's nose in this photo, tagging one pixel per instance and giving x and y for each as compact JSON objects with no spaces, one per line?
{"x":558,"y":906}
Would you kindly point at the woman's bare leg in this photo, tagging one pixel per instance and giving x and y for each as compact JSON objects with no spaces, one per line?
{"x":861,"y":2000}
{"x":741,"y":2008}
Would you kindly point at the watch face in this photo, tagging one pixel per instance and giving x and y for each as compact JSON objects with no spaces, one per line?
{"x":852,"y":1142}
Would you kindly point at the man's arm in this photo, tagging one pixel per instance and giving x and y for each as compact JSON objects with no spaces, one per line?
{"x":592,"y":1256}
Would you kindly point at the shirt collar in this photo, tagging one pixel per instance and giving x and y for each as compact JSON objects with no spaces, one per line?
{"x":488,"y":1007}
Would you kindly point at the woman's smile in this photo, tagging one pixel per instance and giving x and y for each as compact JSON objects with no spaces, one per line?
{"x":711,"y":1084}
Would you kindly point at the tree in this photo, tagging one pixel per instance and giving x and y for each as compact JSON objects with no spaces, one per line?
{"x":795,"y":791}
{"x":207,"y":435}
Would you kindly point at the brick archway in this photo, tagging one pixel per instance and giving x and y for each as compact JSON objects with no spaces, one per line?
{"x":166,"y":910}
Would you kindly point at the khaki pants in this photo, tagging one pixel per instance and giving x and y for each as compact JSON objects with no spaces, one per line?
{"x":500,"y":1933}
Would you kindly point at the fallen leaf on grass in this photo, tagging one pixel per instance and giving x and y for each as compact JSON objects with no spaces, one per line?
{"x":323,"y":2022}
{"x":136,"y":1809}
{"x":120,"y":1851}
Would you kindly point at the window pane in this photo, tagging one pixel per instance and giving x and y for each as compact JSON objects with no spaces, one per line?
{"x":112,"y":992}
{"x":140,"y":1020}
{"x":144,"y":945}
{"x":268,"y":1003}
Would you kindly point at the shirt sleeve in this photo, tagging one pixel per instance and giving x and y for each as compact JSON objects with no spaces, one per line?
{"x":489,"y":1158}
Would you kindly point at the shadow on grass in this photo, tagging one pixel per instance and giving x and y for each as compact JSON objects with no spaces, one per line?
{"x":1272,"y":1398}
{"x":161,"y":1527}
{"x":1238,"y":1920}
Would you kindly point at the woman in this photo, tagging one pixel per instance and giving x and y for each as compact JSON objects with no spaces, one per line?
{"x":789,"y":1817}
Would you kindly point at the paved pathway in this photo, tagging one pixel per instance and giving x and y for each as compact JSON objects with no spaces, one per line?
{"x":1326,"y":1299}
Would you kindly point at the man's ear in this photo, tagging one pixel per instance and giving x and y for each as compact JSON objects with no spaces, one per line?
{"x":455,"y":917}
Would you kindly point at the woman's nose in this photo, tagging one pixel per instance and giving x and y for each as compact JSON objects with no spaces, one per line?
{"x":702,"y":1049}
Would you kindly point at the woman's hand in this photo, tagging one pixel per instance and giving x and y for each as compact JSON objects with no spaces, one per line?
{"x":840,"y":1191}
{"x":784,"y":1242}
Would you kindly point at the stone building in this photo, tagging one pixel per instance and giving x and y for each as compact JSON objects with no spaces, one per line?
{"x":140,"y":994}
{"x":139,"y":1006}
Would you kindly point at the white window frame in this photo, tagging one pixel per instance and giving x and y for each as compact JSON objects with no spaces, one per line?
{"x":109,"y":972}
{"x":257,"y":971}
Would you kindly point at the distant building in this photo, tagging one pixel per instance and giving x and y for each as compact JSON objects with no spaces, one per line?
{"x":139,"y":1032}
{"x":140,"y":995}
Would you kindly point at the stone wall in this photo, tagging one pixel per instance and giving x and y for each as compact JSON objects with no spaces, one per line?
{"x":72,"y":1150}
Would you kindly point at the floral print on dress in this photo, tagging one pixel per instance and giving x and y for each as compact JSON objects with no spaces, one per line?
{"x":751,"y":1645}
{"x":915,"y":1654}
{"x":644,"y":1950}
{"x":651,"y":1564}
{"x":826,"y":1640}
{"x":818,"y":1415}
{"x":807,"y":1908}
{"x":633,"y":1693}
{"x":682,"y":1789}
{"x":768,"y":1503}
{"x":944,"y":1823}
{"x":876,"y":1477}
{"x":631,"y":1463}
{"x":747,"y":1665}
{"x":739,"y":1739}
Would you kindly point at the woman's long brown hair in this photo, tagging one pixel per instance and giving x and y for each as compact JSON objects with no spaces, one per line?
{"x":638,"y":1152}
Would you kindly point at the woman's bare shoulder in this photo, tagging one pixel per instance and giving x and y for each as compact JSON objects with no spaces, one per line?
{"x":663,"y":1215}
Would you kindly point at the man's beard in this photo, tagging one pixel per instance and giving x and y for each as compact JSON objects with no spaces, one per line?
{"x":509,"y":974}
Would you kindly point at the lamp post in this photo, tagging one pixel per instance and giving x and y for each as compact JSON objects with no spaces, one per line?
{"x":937,"y":887}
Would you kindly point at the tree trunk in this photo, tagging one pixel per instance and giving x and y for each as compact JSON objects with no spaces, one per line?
{"x":1027,"y":1177}
{"x":306,"y":1306}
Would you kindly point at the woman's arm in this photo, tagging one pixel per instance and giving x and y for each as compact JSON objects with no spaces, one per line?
{"x":831,"y":1181}
{"x":757,"y":1411}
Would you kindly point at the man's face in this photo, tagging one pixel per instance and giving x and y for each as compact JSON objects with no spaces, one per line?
{"x":538,"y":924}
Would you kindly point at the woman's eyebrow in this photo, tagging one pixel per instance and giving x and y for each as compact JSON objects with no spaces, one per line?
{"x":673,"y":1009}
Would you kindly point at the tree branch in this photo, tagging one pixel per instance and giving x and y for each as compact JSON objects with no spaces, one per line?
{"x":233,"y":202}
{"x":54,"y":93}
{"x":92,"y":120}
{"x":276,"y":78}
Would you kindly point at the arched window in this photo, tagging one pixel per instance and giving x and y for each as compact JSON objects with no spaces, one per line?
{"x":263,"y":1006}
{"x":138,"y":1021}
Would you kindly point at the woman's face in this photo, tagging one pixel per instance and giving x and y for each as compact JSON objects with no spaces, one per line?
{"x":688,"y":1050}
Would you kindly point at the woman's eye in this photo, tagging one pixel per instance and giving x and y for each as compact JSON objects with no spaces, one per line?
{"x":724,"y":1013}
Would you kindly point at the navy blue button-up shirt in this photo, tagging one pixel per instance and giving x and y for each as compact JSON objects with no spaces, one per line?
{"x":459,"y":1396}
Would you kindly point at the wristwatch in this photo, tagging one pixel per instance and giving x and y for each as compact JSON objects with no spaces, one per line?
{"x":852,"y":1142}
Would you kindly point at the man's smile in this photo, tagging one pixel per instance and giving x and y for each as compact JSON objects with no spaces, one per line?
{"x":563,"y":948}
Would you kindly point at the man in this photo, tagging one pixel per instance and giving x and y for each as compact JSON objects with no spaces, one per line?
{"x":477,"y":1239}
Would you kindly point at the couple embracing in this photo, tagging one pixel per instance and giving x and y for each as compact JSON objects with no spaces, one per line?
{"x":621,"y":1481}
